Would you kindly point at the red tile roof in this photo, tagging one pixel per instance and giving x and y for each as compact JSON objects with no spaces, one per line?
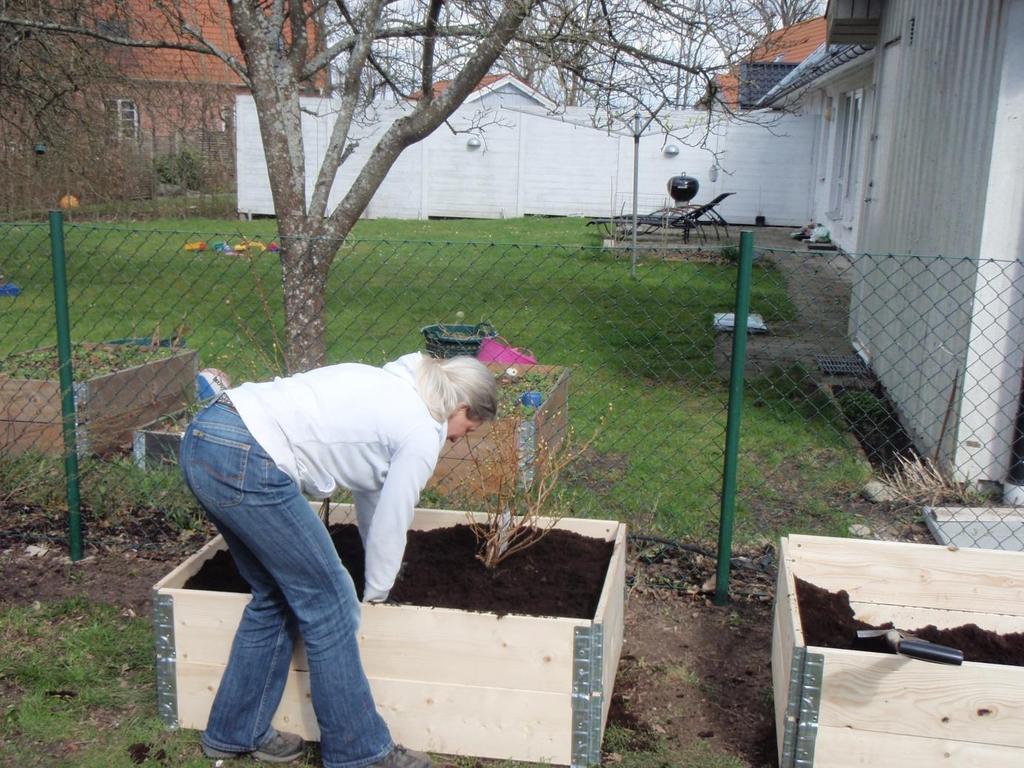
{"x":793,"y":44}
{"x":789,"y":45}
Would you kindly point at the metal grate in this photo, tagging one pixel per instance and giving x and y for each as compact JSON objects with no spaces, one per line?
{"x":836,"y":365}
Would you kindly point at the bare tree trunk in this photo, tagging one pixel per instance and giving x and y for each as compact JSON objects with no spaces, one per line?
{"x":305,"y":264}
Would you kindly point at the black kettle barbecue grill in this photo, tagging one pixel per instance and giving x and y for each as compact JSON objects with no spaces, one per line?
{"x":681,"y":216}
{"x":683,"y":188}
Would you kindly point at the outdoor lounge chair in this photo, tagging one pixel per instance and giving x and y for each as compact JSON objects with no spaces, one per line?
{"x":699,"y":216}
{"x":686,"y":218}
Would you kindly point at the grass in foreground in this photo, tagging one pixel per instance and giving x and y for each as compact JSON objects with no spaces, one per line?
{"x":78,"y":690}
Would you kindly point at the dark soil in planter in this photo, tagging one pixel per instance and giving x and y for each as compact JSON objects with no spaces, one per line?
{"x":828,"y":622}
{"x":87,"y":360}
{"x":561,"y":575}
{"x":873,"y":421}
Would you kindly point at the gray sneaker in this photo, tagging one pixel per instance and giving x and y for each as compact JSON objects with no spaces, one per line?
{"x":279,"y":748}
{"x":400,"y":757}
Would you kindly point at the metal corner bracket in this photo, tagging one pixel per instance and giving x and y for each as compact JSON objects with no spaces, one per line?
{"x":166,"y":659}
{"x":587,"y":695}
{"x":802,"y":708}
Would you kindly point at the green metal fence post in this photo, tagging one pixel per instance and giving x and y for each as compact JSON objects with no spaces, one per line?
{"x":67,"y":394}
{"x":732,"y":427}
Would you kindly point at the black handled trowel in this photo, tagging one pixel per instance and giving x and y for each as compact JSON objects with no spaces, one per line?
{"x":908,"y":645}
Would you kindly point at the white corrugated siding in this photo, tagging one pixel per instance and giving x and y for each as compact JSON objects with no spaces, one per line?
{"x":928,"y":172}
{"x":934,"y":184}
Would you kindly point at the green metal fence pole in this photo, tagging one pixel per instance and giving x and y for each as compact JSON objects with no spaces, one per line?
{"x":732,"y":426}
{"x":67,"y":394}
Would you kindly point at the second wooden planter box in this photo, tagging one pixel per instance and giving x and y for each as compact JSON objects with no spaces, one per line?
{"x":461,"y":463}
{"x":450,"y":681}
{"x":837,"y":708}
{"x":107,"y":407}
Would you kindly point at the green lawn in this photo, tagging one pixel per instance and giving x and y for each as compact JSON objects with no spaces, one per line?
{"x":642,"y":345}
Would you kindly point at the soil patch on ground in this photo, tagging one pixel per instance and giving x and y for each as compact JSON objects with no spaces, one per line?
{"x":691,"y":673}
{"x":828,"y":621}
{"x":145,"y":531}
{"x":561,"y":575}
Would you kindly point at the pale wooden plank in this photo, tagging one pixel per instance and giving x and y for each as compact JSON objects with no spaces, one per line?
{"x":782,"y":665}
{"x":410,"y":642}
{"x":911,"y":617}
{"x":611,"y":613}
{"x":922,"y":575}
{"x":170,"y":379}
{"x":451,"y":719}
{"x":481,"y":649}
{"x":18,"y":437}
{"x":482,"y":722}
{"x":30,"y":400}
{"x":894,"y":694}
{"x":846,"y":748}
{"x":427,"y":519}
{"x":785,"y":629}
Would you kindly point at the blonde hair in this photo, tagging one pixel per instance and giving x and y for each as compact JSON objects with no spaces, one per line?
{"x":446,"y":384}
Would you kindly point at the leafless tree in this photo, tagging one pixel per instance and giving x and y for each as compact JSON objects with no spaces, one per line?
{"x":608,"y":53}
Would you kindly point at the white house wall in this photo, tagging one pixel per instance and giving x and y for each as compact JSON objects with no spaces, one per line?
{"x":552,"y":165}
{"x":991,"y":390}
{"x":931,"y":91}
{"x":933,"y":184}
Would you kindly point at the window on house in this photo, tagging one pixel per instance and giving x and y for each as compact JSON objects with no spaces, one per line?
{"x":827,"y":116}
{"x":845,"y":157}
{"x":124,"y":118}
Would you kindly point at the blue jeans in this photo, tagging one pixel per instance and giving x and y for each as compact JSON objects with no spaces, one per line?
{"x":299,"y":586}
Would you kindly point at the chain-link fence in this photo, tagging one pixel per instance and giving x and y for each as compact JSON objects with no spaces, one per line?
{"x":901,"y":369}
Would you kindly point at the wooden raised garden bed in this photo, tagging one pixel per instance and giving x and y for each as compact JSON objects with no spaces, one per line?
{"x":157,"y":443}
{"x":496,"y":685}
{"x":461,"y":463}
{"x":838,"y":706}
{"x":108,"y":405}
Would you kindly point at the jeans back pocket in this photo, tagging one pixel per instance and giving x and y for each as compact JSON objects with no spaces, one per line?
{"x":215,"y":468}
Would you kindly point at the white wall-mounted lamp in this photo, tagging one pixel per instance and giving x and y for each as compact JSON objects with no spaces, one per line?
{"x":473,"y":142}
{"x":671,"y":150}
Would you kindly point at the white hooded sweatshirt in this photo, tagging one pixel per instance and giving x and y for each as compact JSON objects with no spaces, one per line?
{"x":358,"y":427}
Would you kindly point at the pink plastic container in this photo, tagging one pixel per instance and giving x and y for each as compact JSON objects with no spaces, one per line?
{"x":497,"y":351}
